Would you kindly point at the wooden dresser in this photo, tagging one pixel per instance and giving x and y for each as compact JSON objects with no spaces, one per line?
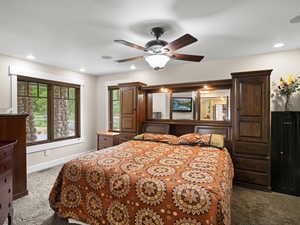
{"x":251,"y":126}
{"x":13,"y":127}
{"x":107,"y":139}
{"x":6,"y":180}
{"x":132,"y":109}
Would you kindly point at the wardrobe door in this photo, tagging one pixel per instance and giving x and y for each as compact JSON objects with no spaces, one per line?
{"x":251,"y":109}
{"x":128,"y":108}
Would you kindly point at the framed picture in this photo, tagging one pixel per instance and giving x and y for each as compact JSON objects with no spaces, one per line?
{"x":182,"y":104}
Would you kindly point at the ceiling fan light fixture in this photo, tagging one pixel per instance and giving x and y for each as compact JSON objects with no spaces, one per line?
{"x":157,"y":62}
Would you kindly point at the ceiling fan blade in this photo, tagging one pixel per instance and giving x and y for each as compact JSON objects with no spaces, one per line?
{"x":129,"y":59}
{"x":296,"y":19}
{"x":181,"y":42}
{"x":192,"y":58}
{"x":123,"y":42}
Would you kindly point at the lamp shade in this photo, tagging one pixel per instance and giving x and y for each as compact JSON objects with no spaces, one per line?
{"x":157,"y":61}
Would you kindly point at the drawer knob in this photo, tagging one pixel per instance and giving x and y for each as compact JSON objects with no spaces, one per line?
{"x":9,"y":205}
{"x":5,"y":180}
{"x":9,"y":190}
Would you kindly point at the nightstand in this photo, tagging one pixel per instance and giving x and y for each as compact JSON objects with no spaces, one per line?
{"x":107,"y":139}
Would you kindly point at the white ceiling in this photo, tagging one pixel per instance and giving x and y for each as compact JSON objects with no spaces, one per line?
{"x":77,"y":33}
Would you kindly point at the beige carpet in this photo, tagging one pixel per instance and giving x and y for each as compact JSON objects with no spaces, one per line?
{"x":249,"y":207}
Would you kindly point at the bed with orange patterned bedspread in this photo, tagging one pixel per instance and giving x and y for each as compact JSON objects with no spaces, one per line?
{"x":146,"y":183}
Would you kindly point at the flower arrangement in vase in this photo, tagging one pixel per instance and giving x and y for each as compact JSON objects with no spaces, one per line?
{"x":286,"y":88}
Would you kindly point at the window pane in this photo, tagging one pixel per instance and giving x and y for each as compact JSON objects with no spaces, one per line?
{"x":115,"y":94}
{"x":56,"y":92}
{"x":116,"y":122}
{"x":71,"y":93}
{"x":64,"y":118}
{"x":36,"y":123}
{"x":116,"y":107}
{"x":22,"y":88}
{"x":33,"y":89}
{"x":40,"y":117}
{"x":215,"y":105}
{"x":43,"y":90}
{"x":64,"y":92}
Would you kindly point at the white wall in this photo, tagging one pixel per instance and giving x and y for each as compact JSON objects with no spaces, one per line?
{"x":282,"y":63}
{"x":88,"y":113}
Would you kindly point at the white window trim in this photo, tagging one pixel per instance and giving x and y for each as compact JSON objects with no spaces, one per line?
{"x":14,"y":72}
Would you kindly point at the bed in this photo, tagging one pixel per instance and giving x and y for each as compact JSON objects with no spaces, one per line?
{"x":146,"y":183}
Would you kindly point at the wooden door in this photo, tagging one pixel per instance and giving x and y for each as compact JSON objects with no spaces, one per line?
{"x":251,"y":109}
{"x":128,"y":109}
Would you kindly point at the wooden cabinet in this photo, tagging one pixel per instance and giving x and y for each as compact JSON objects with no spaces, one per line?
{"x":6,"y":180}
{"x":132,"y":109}
{"x":286,"y":152}
{"x":251,"y":126}
{"x":107,"y":139}
{"x":13,"y":127}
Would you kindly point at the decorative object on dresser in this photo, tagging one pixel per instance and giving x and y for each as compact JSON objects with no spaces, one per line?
{"x":286,"y":152}
{"x":251,"y":127}
{"x":6,"y":181}
{"x":132,"y":109}
{"x":286,"y":88}
{"x":107,"y":139}
{"x":13,"y":127}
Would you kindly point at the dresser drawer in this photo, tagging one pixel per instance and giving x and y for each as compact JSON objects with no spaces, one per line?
{"x":105,"y":141}
{"x":252,"y":148}
{"x":5,"y":153}
{"x":258,"y":165}
{"x":251,"y":177}
{"x":126,"y":136}
{"x":6,"y":164}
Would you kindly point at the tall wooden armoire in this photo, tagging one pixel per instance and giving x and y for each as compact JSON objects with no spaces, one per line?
{"x":13,"y":127}
{"x":251,"y":125}
{"x":132,"y":109}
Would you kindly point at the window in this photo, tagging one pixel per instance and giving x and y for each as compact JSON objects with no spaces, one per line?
{"x":53,"y":110}
{"x":114,"y":109}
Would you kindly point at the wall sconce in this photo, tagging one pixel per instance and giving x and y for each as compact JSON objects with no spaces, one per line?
{"x":164,"y":90}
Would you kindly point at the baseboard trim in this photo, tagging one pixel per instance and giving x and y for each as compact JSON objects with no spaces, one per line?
{"x":53,"y":163}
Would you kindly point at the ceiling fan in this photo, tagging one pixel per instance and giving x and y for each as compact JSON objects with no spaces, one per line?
{"x":158,"y":52}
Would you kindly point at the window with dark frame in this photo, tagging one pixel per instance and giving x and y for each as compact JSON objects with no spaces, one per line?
{"x":53,"y":108}
{"x":114,"y":109}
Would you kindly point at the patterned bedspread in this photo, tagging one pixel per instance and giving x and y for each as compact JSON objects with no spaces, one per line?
{"x":146,"y":183}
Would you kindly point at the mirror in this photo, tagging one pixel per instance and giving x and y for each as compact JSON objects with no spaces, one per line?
{"x":159,"y":104}
{"x":214,"y":105}
{"x":183,"y":105}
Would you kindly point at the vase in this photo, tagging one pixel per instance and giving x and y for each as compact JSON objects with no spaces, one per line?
{"x":287,"y":101}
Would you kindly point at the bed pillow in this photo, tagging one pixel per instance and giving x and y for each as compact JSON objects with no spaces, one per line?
{"x":193,"y":139}
{"x":217,"y":140}
{"x":139,"y":137}
{"x":166,"y":138}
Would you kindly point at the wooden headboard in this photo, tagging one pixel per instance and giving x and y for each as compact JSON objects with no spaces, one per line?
{"x":225,"y":131}
{"x":156,"y":128}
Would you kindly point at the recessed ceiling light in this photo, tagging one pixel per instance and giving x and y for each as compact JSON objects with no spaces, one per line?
{"x":132,"y":67}
{"x":278,"y":45}
{"x":31,"y":57}
{"x":82,"y":70}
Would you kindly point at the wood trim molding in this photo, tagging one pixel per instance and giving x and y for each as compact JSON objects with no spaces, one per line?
{"x":252,"y":73}
{"x":191,"y":85}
